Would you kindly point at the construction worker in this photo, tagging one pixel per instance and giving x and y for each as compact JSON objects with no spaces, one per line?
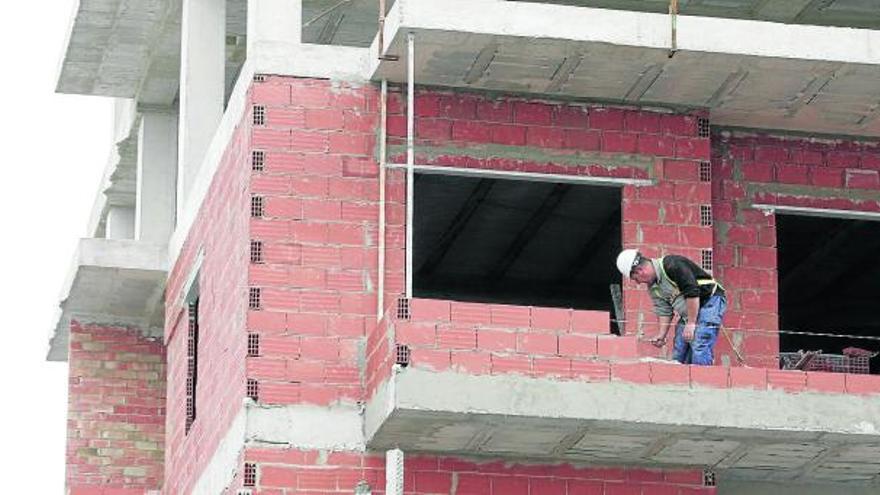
{"x":677,"y":285}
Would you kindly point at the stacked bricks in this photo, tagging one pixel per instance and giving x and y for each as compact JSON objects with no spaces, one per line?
{"x":381,"y":354}
{"x":287,"y":471}
{"x":116,"y":411}
{"x":450,"y":123}
{"x":501,"y":339}
{"x":761,"y":169}
{"x":492,"y":339}
{"x":220,"y":232}
{"x":318,"y":233}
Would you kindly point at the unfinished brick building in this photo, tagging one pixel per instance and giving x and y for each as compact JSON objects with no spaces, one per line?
{"x":343,"y":253}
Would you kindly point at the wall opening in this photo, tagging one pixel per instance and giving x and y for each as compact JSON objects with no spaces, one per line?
{"x":516,"y":241}
{"x":829,"y":282}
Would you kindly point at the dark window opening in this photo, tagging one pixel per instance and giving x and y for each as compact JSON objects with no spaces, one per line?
{"x":192,"y":361}
{"x":516,"y":241}
{"x":829,"y":283}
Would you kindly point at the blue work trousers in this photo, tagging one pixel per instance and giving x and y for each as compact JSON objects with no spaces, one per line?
{"x":701,"y":350}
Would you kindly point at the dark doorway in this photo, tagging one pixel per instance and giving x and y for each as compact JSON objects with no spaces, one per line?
{"x":515,"y":241}
{"x":829,"y":282}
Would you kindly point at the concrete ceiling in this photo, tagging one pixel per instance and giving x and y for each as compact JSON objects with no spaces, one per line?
{"x":131,"y":48}
{"x":846,"y":13}
{"x":770,"y":457}
{"x":112,"y":282}
{"x":740,"y":433}
{"x":803,"y":91}
{"x":347,"y":22}
{"x":354,"y":22}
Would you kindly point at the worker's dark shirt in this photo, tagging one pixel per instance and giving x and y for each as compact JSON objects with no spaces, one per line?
{"x":685,"y":274}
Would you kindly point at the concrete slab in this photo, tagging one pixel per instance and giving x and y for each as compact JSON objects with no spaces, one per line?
{"x":748,"y":73}
{"x":115,"y":282}
{"x":744,"y":434}
{"x":131,"y":48}
{"x":844,"y":13}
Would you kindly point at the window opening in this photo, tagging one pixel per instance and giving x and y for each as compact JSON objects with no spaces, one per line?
{"x":516,"y":241}
{"x":828,"y":286}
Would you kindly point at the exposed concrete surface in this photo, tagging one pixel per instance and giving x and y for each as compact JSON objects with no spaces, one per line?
{"x":753,"y":488}
{"x":156,"y":177}
{"x":112,"y":282}
{"x":847,"y":13}
{"x":202,"y":86}
{"x":201,"y":182}
{"x":749,"y":73}
{"x":120,"y":222}
{"x":306,"y":427}
{"x":337,"y":428}
{"x":123,"y":48}
{"x":319,"y":61}
{"x":274,"y":21}
{"x":747,"y":434}
{"x":221,"y":469}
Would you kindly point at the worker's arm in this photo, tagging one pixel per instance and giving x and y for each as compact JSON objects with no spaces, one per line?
{"x":664,"y":323}
{"x":664,"y":311}
{"x":690,"y":328}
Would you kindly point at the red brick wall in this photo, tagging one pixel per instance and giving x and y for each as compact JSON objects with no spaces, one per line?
{"x":499,"y":339}
{"x":319,"y":227}
{"x":285,"y":471}
{"x":221,"y":231}
{"x":753,"y":168}
{"x":319,"y":233}
{"x":471,"y":131}
{"x":116,"y":411}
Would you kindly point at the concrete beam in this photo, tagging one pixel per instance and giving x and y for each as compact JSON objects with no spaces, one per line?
{"x":643,"y":29}
{"x":202,"y":86}
{"x":742,"y":431}
{"x":114,"y":282}
{"x":303,"y":427}
{"x":120,"y":222}
{"x":295,"y":426}
{"x":274,"y":21}
{"x":156,"y":177}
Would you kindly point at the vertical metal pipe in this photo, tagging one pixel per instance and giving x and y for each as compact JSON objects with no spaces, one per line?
{"x":383,"y":126}
{"x":410,"y":158}
{"x":381,"y":28}
{"x":673,"y":16}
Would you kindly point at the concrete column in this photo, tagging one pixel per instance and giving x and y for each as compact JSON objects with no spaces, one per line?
{"x":202,"y":85}
{"x":156,"y":177}
{"x":120,"y":223}
{"x":274,"y":21}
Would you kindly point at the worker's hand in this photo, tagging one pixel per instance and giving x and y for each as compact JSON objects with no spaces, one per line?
{"x":689,"y":331}
{"x":659,"y":341}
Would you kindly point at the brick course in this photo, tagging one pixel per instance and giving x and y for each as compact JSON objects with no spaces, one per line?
{"x":289,"y":471}
{"x":116,"y":411}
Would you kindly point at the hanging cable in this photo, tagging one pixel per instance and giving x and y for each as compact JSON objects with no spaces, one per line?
{"x":673,"y":17}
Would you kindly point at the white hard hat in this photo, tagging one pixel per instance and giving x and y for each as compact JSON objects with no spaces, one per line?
{"x":627,"y":260}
